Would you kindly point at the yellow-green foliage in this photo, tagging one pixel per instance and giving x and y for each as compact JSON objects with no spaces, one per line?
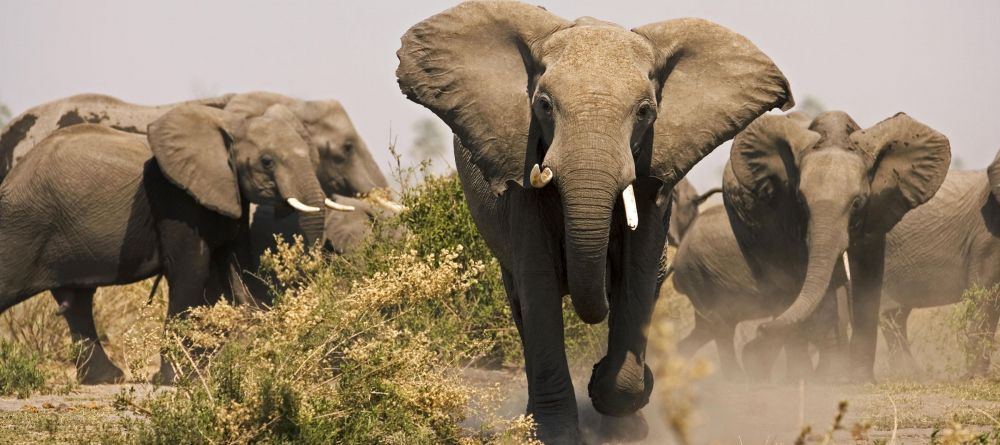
{"x":437,"y":217}
{"x":327,"y":363}
{"x":971,"y":319}
{"x":20,"y":371}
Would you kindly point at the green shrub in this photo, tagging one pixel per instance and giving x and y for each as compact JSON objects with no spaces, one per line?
{"x":972,"y":321}
{"x":20,"y":371}
{"x":328,"y":363}
{"x":437,"y":217}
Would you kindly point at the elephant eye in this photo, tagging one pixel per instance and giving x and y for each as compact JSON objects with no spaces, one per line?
{"x":348,"y":147}
{"x":645,"y":112}
{"x":544,"y":105}
{"x":857,"y":203}
{"x":267,"y":161}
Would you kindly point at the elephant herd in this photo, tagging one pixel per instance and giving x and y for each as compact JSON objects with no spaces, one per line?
{"x":100,"y":192}
{"x":571,"y":141}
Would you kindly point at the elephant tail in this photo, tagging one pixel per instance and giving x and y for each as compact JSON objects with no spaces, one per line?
{"x":152,"y":290}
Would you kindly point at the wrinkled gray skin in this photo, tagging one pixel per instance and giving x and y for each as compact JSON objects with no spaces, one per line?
{"x":93,"y":206}
{"x":684,"y":202}
{"x":26,"y":130}
{"x":342,"y":161}
{"x":798,"y":194}
{"x":940,"y":249}
{"x":602,"y":108}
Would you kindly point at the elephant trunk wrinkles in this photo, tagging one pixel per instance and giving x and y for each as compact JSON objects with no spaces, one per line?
{"x":589,"y":183}
{"x":828,"y":238}
{"x":306,"y":188}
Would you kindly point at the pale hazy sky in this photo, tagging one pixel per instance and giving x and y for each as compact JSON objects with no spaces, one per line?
{"x":937,"y":61}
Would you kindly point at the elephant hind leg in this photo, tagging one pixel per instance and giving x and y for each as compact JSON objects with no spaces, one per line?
{"x":698,"y":337}
{"x":895,"y":331}
{"x":725,"y":344}
{"x":92,"y":363}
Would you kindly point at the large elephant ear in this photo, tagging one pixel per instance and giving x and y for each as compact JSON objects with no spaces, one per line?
{"x":191,"y":144}
{"x":909,"y":162}
{"x":714,"y":82}
{"x":993,"y":173}
{"x":471,"y":65}
{"x":764,"y":157}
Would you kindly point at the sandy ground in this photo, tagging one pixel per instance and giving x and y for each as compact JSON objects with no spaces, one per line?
{"x":724,"y":412}
{"x":740,"y":413}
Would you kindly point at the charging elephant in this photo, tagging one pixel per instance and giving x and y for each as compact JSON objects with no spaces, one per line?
{"x":94,"y":206}
{"x":799,"y":195}
{"x":565,"y":133}
{"x":930,"y":260}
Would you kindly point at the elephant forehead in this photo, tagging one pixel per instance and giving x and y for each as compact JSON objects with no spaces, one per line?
{"x":607,"y":51}
{"x":834,"y":169}
{"x":275,"y":134}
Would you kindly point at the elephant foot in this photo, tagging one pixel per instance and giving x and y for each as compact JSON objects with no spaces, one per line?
{"x":630,"y":428}
{"x":620,"y":392}
{"x":93,"y":367}
{"x":166,"y":374}
{"x":759,"y":356}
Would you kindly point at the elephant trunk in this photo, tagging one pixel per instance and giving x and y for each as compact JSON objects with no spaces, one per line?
{"x":589,"y":184}
{"x":305,"y":189}
{"x":827,"y":240}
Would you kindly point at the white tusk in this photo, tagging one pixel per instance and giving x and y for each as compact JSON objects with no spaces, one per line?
{"x":847,"y":266}
{"x":338,"y":206}
{"x":394,"y":206}
{"x":631,"y":214}
{"x":298,"y":205}
{"x":540,"y":178}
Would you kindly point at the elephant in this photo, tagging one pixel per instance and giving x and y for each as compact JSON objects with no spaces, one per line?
{"x":341,"y":158}
{"x":800,"y":195}
{"x":684,"y":201}
{"x":94,"y":206}
{"x":565,"y":132}
{"x":930,"y":260}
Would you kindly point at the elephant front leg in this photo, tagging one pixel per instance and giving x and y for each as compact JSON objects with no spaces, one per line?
{"x":187,"y":268}
{"x":621,"y":382}
{"x":536,"y":305}
{"x":867,"y":266}
{"x":93,"y":366}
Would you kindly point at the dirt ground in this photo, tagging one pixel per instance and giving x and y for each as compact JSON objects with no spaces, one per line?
{"x":724,"y":412}
{"x":742,"y":413}
{"x":720,"y":411}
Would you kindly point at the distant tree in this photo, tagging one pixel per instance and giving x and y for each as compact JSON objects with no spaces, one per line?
{"x":5,"y":114}
{"x":428,"y":141}
{"x":811,"y":106}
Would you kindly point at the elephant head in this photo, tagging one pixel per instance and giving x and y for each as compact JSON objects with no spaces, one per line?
{"x":684,"y":202}
{"x":848,"y":184}
{"x":993,"y":174}
{"x":586,"y":106}
{"x":222,"y":159}
{"x":342,"y":161}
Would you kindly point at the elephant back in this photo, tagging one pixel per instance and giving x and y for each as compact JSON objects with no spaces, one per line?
{"x":25,"y":131}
